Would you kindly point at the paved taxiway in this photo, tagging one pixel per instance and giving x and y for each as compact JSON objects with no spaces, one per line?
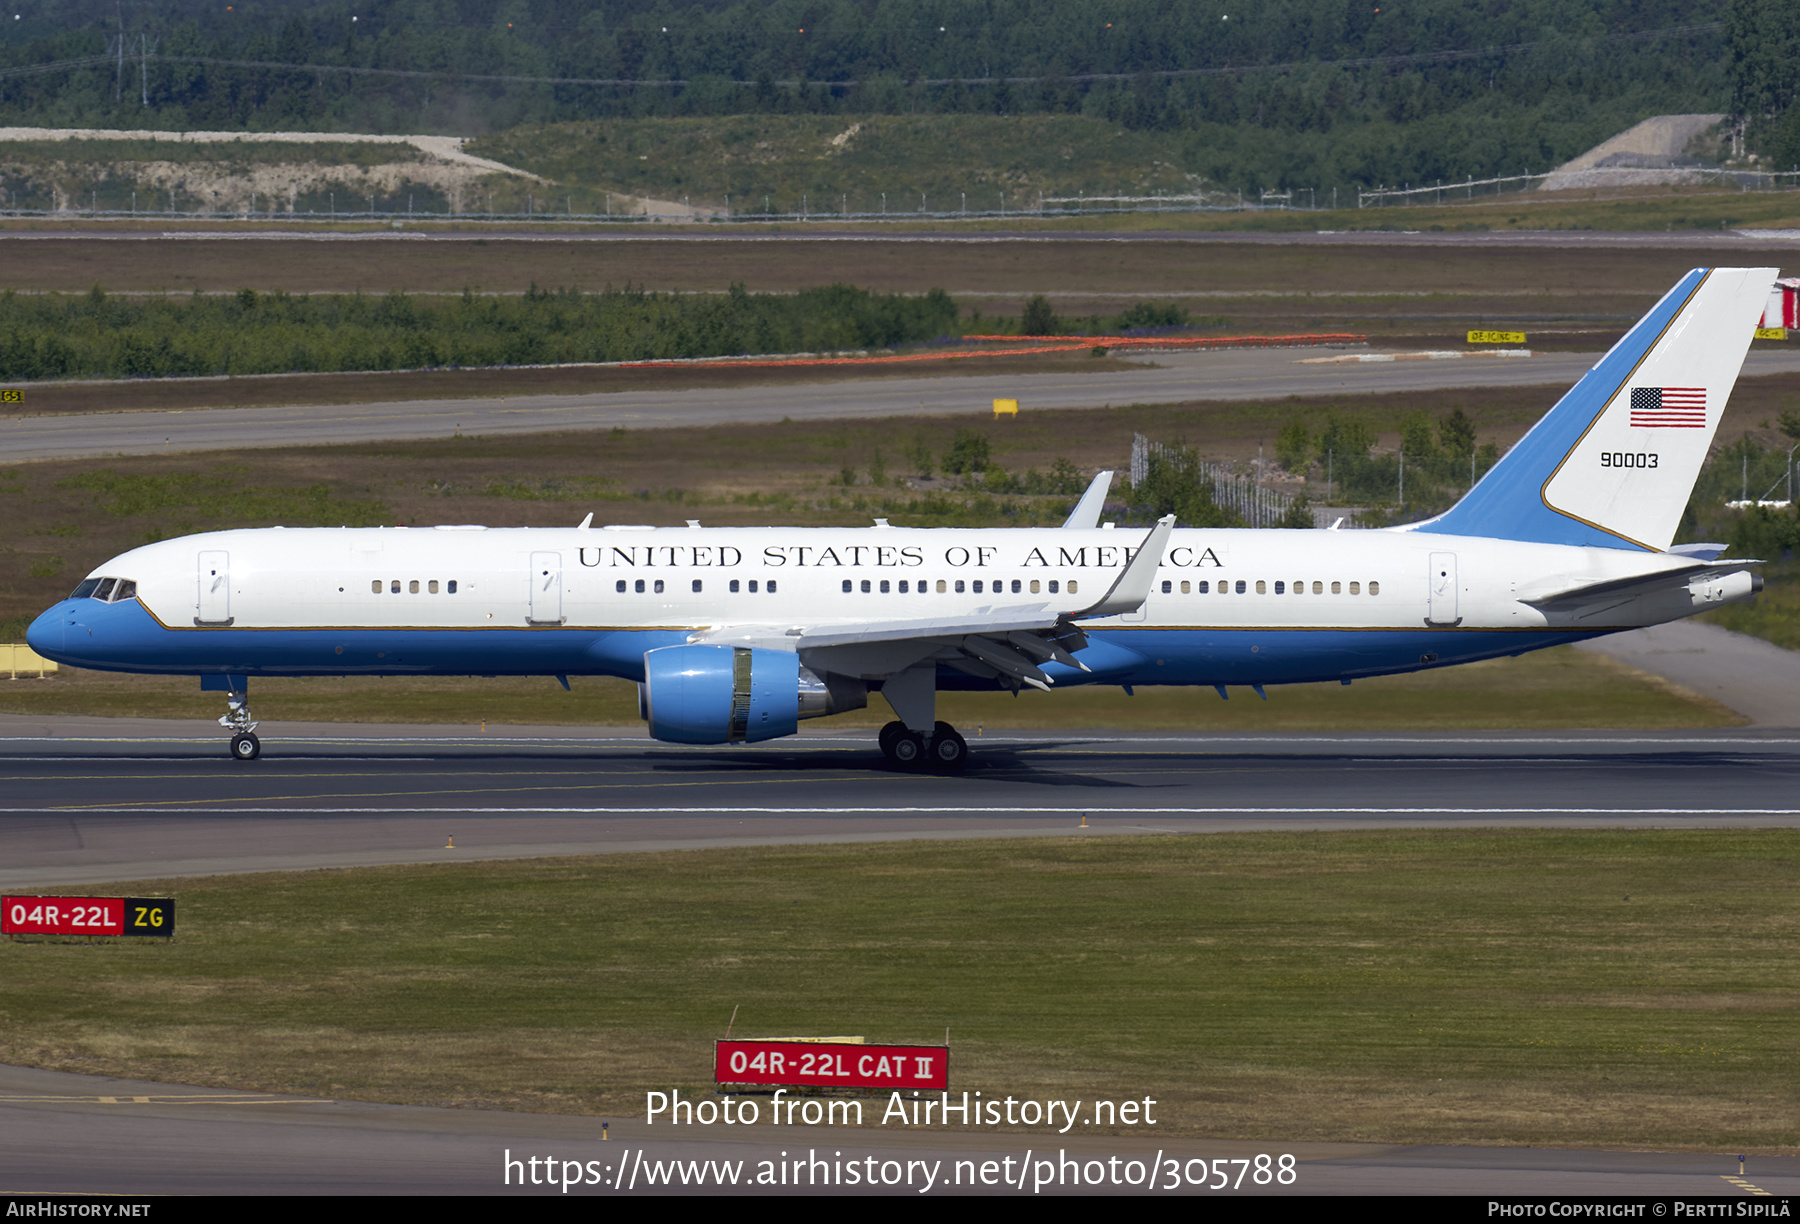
{"x":1215,"y":376}
{"x":100,"y":1135}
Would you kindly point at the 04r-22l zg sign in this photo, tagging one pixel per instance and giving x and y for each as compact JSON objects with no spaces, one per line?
{"x":87,"y":916}
{"x":820,"y":1064}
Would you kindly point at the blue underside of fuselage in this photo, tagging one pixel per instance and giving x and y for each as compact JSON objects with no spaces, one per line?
{"x":124,"y":637}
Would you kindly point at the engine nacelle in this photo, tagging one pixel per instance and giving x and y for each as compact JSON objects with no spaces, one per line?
{"x":701,"y":694}
{"x":720,"y":694}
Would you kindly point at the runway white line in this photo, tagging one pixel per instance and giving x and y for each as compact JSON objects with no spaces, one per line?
{"x":152,"y":809}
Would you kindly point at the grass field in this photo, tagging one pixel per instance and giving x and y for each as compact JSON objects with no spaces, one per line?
{"x":1577,"y":280}
{"x":1555,"y":689}
{"x":1616,"y":988}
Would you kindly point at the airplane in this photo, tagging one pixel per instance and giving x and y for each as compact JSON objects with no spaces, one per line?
{"x":736,"y":635}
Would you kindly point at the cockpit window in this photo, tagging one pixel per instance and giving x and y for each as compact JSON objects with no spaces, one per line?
{"x":110,"y":590}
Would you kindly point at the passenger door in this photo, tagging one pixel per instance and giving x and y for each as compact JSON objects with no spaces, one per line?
{"x":213,"y":606}
{"x":1442,"y":587}
{"x":545,"y":605}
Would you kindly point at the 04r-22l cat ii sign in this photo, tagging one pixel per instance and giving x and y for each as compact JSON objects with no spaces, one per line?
{"x":736,"y":634}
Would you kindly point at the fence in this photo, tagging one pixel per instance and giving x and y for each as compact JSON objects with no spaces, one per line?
{"x":1243,"y":495}
{"x":1442,"y":192}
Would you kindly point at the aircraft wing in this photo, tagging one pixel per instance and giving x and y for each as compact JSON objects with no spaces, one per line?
{"x":1004,"y":641}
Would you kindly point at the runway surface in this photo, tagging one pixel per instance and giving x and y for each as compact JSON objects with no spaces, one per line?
{"x":1215,"y":376}
{"x":81,"y":809}
{"x":95,"y":800}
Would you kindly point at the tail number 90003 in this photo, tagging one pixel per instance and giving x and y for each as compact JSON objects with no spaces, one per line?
{"x":1627,"y":459}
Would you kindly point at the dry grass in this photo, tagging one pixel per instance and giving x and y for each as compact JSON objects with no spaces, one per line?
{"x":1603,"y":988}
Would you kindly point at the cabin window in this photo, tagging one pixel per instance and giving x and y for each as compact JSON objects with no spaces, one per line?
{"x":940,"y":586}
{"x":619,"y":586}
{"x":1356,"y":588}
{"x":413,"y":586}
{"x":1318,"y":588}
{"x":903,"y":586}
{"x":1240,"y":586}
{"x":1034,"y":586}
{"x":1184,"y":586}
{"x":884,"y":586}
{"x":1337,"y":588}
{"x":865,"y":586}
{"x":1374,"y":588}
{"x":450,"y":587}
{"x":753,"y":586}
{"x":846,"y":586}
{"x":1017,"y":587}
{"x":432,"y":586}
{"x":1074,"y":587}
{"x":394,"y":587}
{"x":959,"y":586}
{"x":1168,"y":587}
{"x":659,"y":586}
{"x":375,"y":586}
{"x":1280,"y":588}
{"x":1261,"y":587}
{"x":640,"y":586}
{"x":1053,"y":586}
{"x":696,"y":586}
{"x":770,"y":586}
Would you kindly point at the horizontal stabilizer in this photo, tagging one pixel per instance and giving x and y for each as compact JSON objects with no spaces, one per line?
{"x":1601,"y":595}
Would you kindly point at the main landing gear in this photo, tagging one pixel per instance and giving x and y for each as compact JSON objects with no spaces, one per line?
{"x":943,"y":750}
{"x":236,"y":719}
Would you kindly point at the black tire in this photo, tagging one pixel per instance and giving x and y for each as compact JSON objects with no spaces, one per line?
{"x":245,"y":747}
{"x":908,"y":750}
{"x":891,"y":732}
{"x":949,"y":751}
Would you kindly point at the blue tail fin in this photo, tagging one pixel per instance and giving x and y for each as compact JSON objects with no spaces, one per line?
{"x":1613,"y":464}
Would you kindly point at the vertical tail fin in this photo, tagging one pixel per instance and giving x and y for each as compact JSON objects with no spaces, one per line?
{"x":1613,"y":464}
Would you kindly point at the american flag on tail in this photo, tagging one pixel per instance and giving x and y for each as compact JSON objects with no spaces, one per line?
{"x":1668,"y":407}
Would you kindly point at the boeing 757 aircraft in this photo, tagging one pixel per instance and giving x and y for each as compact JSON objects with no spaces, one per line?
{"x":736,"y":634}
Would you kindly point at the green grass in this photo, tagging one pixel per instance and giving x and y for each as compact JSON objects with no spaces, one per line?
{"x":1774,"y":615}
{"x":1614,"y":988}
{"x":1556,"y":689}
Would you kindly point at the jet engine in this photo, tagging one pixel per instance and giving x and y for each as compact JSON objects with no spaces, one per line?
{"x":707,"y":694}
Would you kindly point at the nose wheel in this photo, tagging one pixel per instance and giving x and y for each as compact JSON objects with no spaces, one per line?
{"x":945,"y":751}
{"x":237,"y":720}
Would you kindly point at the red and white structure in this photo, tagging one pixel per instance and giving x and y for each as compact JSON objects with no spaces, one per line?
{"x":1783,"y":309}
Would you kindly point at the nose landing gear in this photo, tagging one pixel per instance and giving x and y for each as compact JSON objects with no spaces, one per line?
{"x":236,"y":719}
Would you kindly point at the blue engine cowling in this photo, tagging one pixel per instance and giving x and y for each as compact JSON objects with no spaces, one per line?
{"x":721,"y":694}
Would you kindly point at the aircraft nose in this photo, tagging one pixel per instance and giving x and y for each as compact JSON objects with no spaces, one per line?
{"x":45,"y":635}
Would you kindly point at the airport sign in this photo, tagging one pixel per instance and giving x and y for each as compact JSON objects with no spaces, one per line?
{"x":818,"y":1064}
{"x":87,"y":916}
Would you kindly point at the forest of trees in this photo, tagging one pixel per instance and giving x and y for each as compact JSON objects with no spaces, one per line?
{"x":1354,"y":91}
